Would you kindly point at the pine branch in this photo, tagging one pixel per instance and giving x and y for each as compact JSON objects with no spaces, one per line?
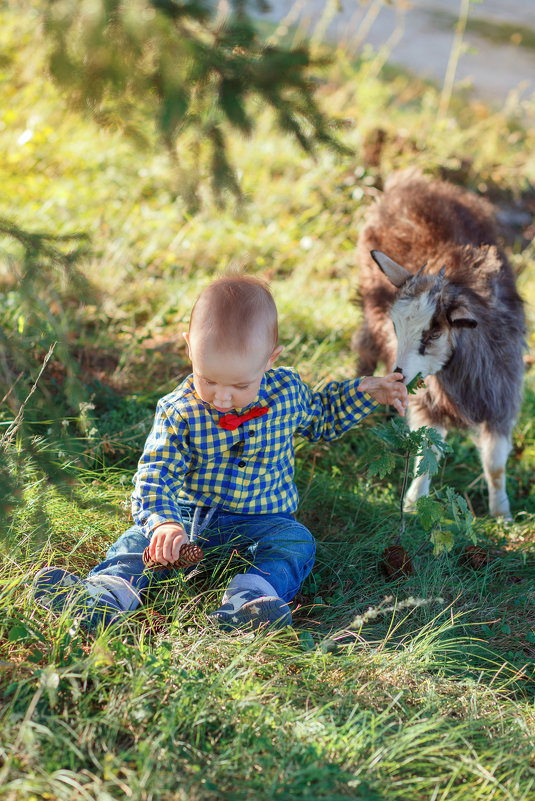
{"x":189,"y":67}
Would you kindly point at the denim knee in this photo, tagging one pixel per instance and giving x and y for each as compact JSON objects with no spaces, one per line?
{"x":292,"y":541}
{"x":131,"y":541}
{"x":307,"y":544}
{"x":284,"y":557}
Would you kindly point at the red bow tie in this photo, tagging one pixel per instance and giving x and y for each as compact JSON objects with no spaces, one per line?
{"x":231,"y":421}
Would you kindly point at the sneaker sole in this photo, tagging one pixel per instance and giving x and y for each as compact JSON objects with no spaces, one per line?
{"x":260,"y":613}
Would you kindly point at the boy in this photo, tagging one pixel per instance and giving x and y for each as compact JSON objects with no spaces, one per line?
{"x":218,"y":466}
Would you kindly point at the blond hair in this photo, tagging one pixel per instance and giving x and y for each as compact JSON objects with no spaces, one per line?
{"x":235,"y":310}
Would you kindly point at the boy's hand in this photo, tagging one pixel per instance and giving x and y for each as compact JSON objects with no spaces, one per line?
{"x":167,"y":540}
{"x":389,"y":389}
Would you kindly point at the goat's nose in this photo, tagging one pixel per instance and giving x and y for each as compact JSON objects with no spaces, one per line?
{"x":398,"y":370}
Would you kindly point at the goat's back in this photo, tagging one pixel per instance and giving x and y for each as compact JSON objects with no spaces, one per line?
{"x":417,"y":221}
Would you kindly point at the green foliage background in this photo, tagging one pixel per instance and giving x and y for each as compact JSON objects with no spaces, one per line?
{"x":102,"y":255}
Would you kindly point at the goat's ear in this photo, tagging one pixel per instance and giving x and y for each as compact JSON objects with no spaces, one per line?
{"x":460,"y":316}
{"x":395,"y":273}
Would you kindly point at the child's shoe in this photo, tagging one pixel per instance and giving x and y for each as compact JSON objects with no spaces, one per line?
{"x":57,"y":589}
{"x":246,"y":609}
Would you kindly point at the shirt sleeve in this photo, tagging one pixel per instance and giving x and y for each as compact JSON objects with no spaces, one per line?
{"x":328,"y":414}
{"x":161,"y":470}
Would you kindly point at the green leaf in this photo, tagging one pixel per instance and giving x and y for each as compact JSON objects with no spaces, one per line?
{"x":430,"y":511}
{"x":18,"y":632}
{"x":461,"y":513}
{"x":428,"y":463}
{"x":415,"y":384}
{"x":442,"y":540}
{"x":35,"y":657}
{"x":382,"y":465}
{"x":306,"y":640}
{"x":435,"y":439}
{"x":530,"y":637}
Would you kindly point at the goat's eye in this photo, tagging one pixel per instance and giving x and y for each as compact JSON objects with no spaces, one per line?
{"x":427,"y":338}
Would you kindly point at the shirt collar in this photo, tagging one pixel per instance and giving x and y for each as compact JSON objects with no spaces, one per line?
{"x":262,"y":395}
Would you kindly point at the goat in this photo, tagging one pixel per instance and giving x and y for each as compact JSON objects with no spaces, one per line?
{"x":458,"y":319}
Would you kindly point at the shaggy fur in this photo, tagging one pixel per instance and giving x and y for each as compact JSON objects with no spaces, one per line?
{"x":455,"y":315}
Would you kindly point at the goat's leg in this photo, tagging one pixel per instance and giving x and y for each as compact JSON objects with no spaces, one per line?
{"x":494,"y":449}
{"x":420,"y":484}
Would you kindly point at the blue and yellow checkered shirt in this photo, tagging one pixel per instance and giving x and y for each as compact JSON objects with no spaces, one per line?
{"x":189,"y":457}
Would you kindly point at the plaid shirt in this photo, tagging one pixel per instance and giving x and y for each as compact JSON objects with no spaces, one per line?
{"x":188,"y":457}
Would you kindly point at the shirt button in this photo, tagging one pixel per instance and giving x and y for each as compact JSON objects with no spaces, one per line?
{"x":251,"y":432}
{"x":241,"y":464}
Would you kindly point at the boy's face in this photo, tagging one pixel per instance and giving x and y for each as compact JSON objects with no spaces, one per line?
{"x":225,"y":379}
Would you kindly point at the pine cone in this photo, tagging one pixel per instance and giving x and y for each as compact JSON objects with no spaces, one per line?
{"x":396,"y":562}
{"x":475,"y":556}
{"x":189,"y":554}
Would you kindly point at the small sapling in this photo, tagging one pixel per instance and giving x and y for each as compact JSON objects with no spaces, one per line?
{"x":442,"y":514}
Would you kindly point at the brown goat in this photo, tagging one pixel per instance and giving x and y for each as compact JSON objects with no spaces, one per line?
{"x":451,"y":313}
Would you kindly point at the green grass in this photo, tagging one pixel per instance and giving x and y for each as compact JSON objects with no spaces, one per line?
{"x":432,"y":698}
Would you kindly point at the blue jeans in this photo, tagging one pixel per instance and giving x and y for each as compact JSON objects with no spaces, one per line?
{"x":274,"y":547}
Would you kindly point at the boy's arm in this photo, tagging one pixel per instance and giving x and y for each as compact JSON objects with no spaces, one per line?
{"x":388,"y":389}
{"x":161,"y":470}
{"x":342,"y":405}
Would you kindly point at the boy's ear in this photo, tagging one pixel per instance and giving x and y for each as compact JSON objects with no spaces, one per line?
{"x":275,"y":354}
{"x":185,"y":334}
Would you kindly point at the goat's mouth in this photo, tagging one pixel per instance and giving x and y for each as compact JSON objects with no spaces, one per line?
{"x":402,"y":372}
{"x":412,"y":381}
{"x":412,"y":365}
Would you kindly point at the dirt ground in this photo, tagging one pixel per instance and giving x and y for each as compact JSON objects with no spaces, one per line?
{"x":419,"y":34}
